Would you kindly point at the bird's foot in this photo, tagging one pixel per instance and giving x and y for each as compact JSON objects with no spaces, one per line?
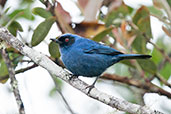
{"x":90,"y":87}
{"x":72,"y":77}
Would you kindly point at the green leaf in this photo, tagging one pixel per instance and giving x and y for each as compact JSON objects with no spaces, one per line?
{"x":41,"y":31}
{"x":42,"y":1}
{"x":6,"y":10}
{"x":155,"y":11}
{"x":54,"y":50}
{"x":102,"y":34}
{"x":58,"y":86}
{"x":148,"y":66}
{"x":23,"y":13}
{"x":142,"y":20}
{"x":27,"y":1}
{"x":52,"y":92}
{"x":15,"y":58}
{"x":15,"y":12}
{"x":118,"y":13}
{"x":14,"y":27}
{"x":169,"y":2}
{"x":41,"y":12}
{"x":166,"y":71}
{"x":3,"y":71}
{"x":156,"y":56}
{"x":127,"y":62}
{"x":139,"y":43}
{"x":120,"y":69}
{"x":28,"y":14}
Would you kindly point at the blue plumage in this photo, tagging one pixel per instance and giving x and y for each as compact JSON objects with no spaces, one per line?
{"x":84,"y":57}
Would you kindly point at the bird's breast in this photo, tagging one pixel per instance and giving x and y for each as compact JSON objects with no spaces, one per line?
{"x":82,"y":64}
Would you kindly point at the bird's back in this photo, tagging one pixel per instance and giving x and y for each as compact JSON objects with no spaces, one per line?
{"x":85,"y":64}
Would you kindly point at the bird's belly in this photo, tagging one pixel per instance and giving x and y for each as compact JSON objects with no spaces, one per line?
{"x":87,"y":65}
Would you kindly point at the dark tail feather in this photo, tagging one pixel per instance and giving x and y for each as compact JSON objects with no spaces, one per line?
{"x":134,"y":56}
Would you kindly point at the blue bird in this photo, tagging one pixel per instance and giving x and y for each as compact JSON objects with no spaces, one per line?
{"x":85,"y":57}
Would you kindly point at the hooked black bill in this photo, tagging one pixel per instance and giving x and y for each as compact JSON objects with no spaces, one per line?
{"x":56,"y":40}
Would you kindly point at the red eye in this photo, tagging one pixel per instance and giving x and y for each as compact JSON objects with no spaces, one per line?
{"x":66,"y":39}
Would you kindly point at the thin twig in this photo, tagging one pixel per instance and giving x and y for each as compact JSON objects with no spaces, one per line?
{"x":50,"y":8}
{"x":62,"y":25}
{"x":66,"y":103}
{"x":13,"y":82}
{"x":25,"y":61}
{"x":60,"y":20}
{"x":59,"y":91}
{"x":158,"y":76}
{"x":161,"y":19}
{"x":19,"y":71}
{"x":148,"y":86}
{"x":25,"y":69}
{"x":161,"y":51}
{"x":167,"y":8}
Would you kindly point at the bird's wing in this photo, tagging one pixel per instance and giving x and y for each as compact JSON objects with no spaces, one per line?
{"x":101,"y":49}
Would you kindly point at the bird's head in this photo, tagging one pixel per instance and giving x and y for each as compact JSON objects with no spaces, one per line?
{"x":65,"y":39}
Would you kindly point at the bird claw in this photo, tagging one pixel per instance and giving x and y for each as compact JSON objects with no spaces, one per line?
{"x":72,"y":77}
{"x":90,"y":87}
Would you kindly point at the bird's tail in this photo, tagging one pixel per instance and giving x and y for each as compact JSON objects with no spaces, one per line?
{"x":134,"y":56}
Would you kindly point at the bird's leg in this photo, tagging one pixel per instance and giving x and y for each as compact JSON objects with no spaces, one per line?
{"x":92,"y":85}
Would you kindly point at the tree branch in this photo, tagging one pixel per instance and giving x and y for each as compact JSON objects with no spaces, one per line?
{"x":19,"y":71}
{"x":25,"y":69}
{"x":148,"y":86}
{"x":160,"y":50}
{"x":162,"y":80}
{"x":43,"y":61}
{"x":13,"y":82}
{"x":161,"y":19}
